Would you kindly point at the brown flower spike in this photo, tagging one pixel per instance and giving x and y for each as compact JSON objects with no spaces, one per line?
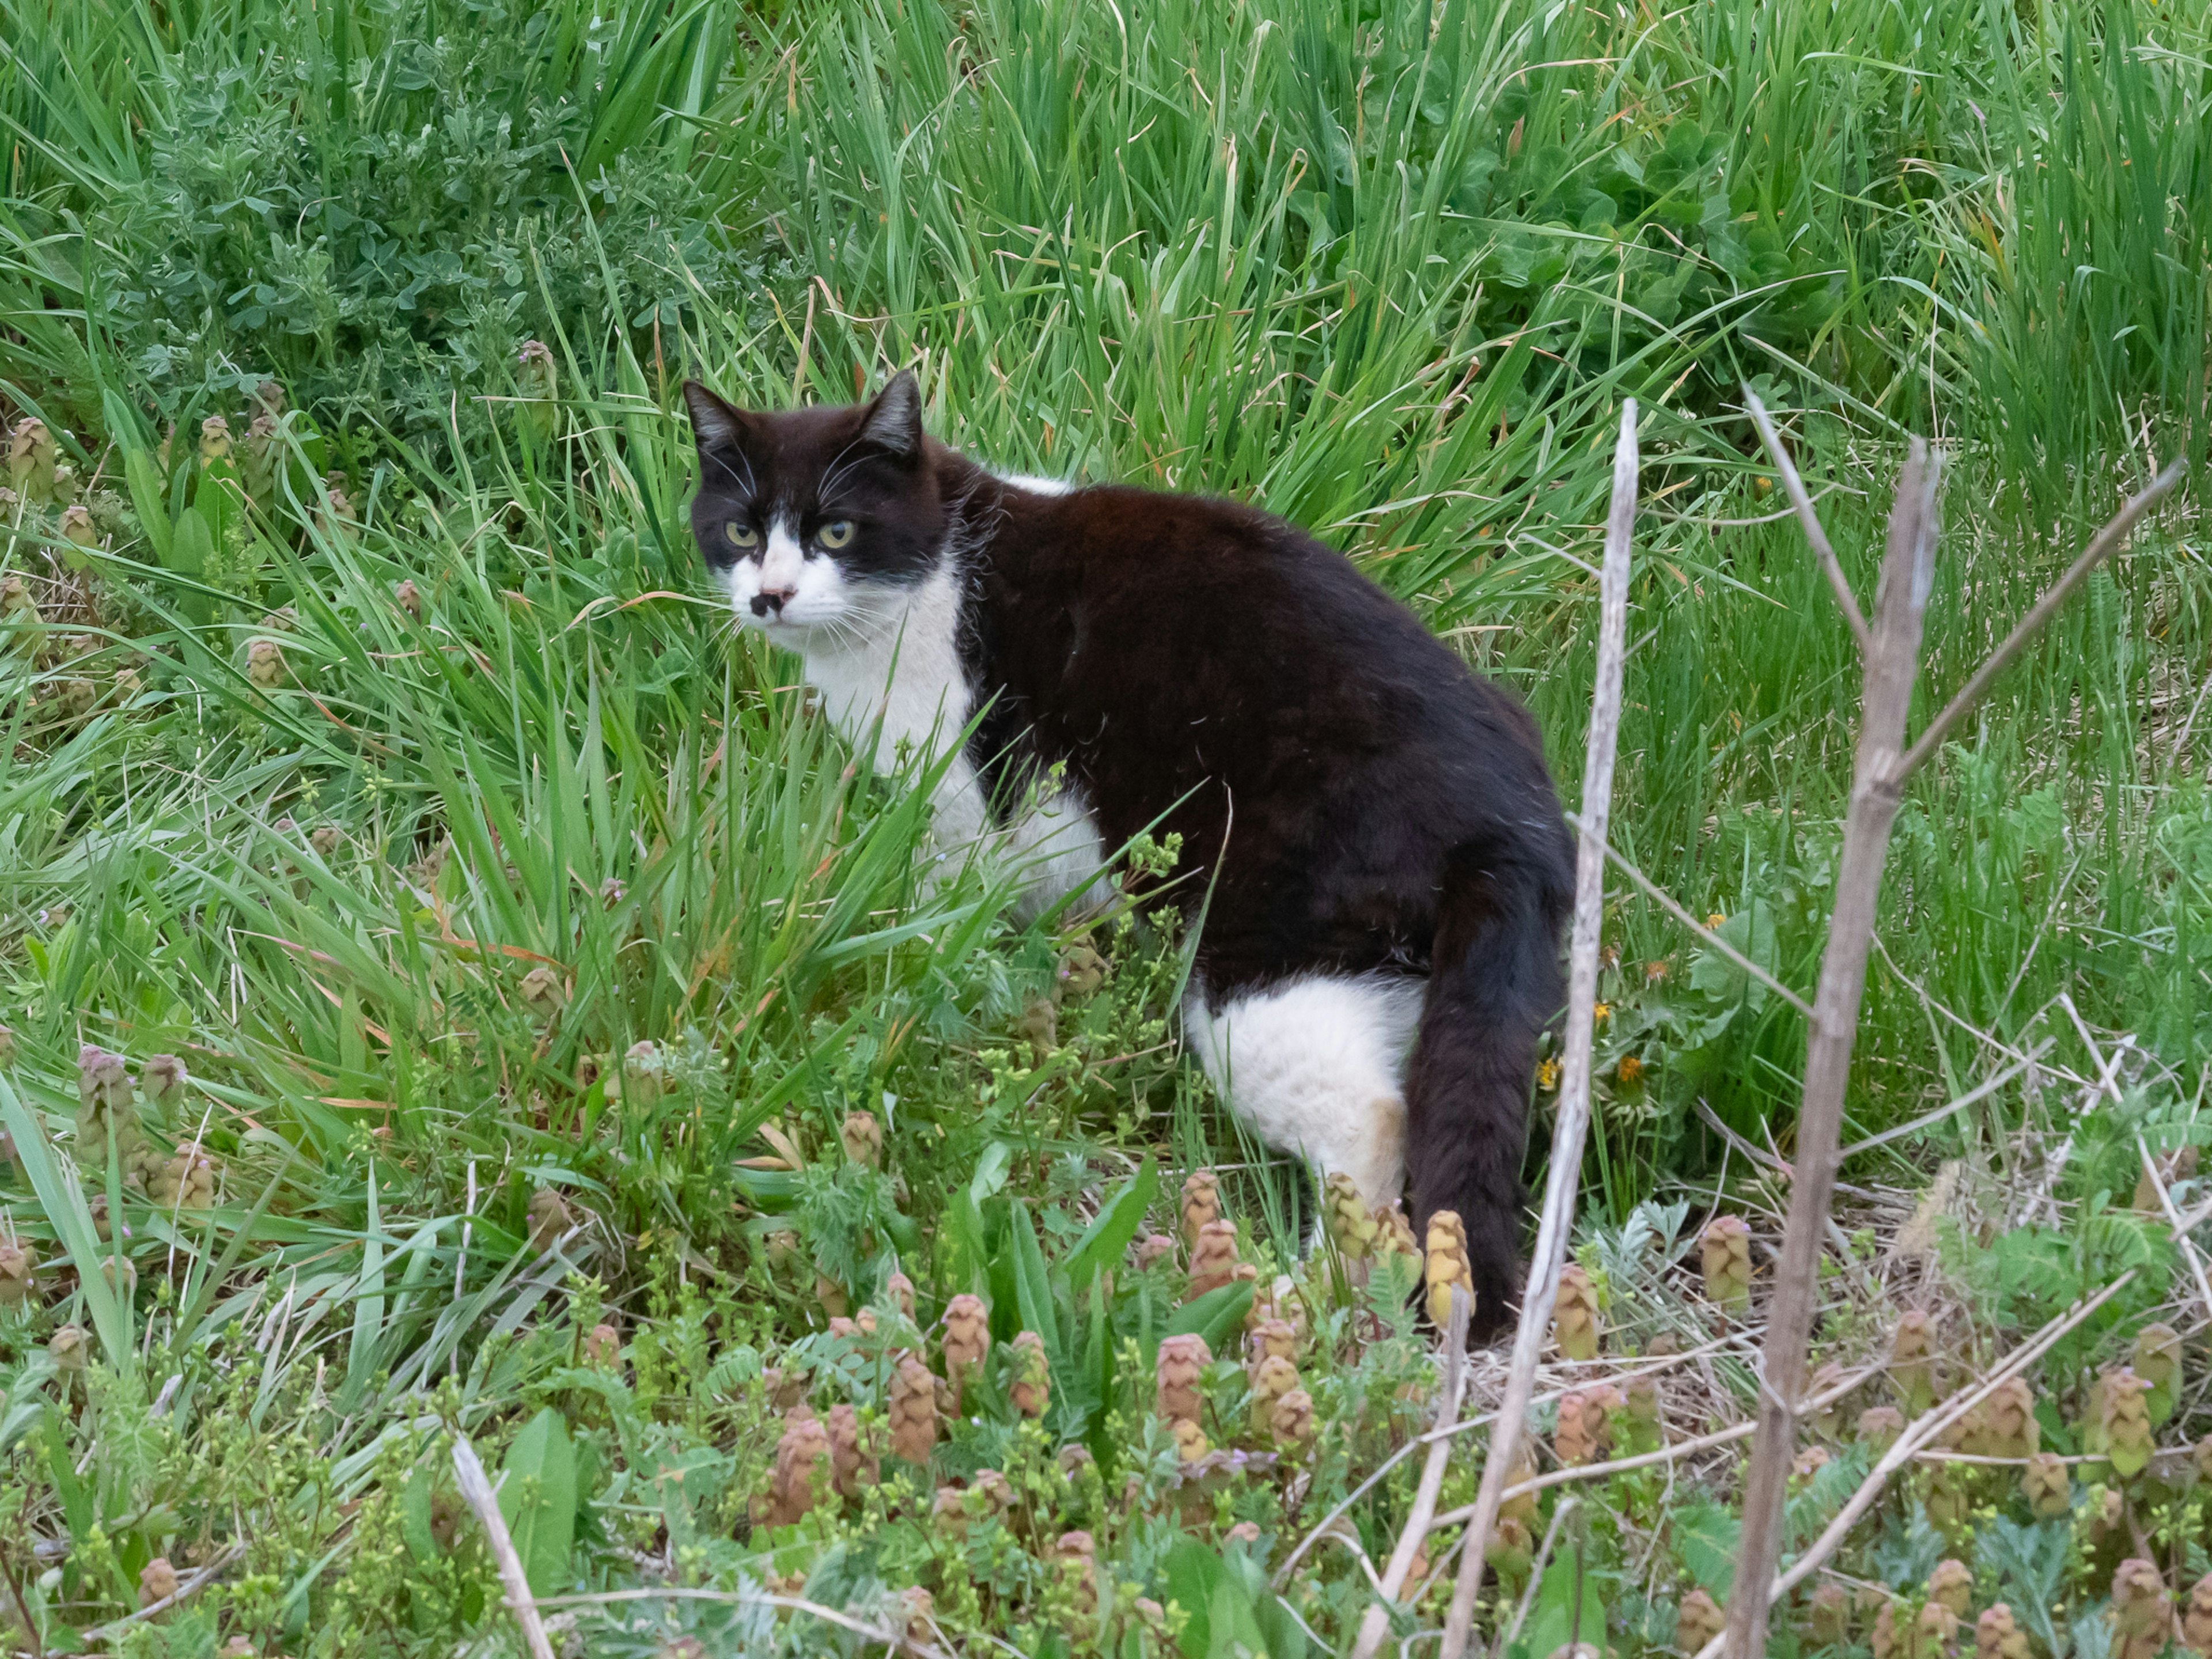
{"x":1031,"y":1387}
{"x":966,"y":1341}
{"x":1574,"y":1316}
{"x":1201,"y":1203}
{"x":1724,"y":1254}
{"x":1212,"y":1258}
{"x":1179,"y":1377}
{"x":1445,"y":1264}
{"x":913,"y":1408}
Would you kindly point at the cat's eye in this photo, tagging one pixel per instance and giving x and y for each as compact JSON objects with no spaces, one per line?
{"x":742,"y":535}
{"x":835,"y":533}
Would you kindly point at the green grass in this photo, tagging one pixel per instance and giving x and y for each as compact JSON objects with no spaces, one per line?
{"x":1386,"y":270}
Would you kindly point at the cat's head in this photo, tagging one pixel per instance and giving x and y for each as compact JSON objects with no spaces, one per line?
{"x":817,"y":519}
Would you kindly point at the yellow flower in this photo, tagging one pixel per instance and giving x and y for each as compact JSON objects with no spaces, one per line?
{"x":1715,"y":920}
{"x":1603,"y":1011}
{"x":1630,"y":1069}
{"x":1547,"y":1073}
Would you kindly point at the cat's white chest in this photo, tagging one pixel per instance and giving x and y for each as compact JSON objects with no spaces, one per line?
{"x":901,"y":679}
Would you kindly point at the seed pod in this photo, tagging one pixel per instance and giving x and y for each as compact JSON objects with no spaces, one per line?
{"x":70,"y":1348}
{"x":1039,"y":1025}
{"x":409,"y":597}
{"x":1512,"y":1550}
{"x":1082,"y":971}
{"x":2196,"y":1616}
{"x":863,"y":1138}
{"x":1272,"y":1378}
{"x":122,"y":1276}
{"x":1910,"y":1346}
{"x":1724,"y":1253}
{"x":831,"y":1295}
{"x":1351,"y":1223}
{"x":645,"y":1072}
{"x":1444,"y":1265}
{"x":185,"y":1181}
{"x":265,"y":663}
{"x":1293,"y":1420}
{"x":1031,"y":1387}
{"x":1152,"y":1248}
{"x":1574,"y":1315}
{"x":107,"y":1111}
{"x":157,"y":1582}
{"x":1189,"y":1439}
{"x":2009,"y":1425}
{"x":1201,"y":1203}
{"x":2107,"y":1511}
{"x":1699,"y":1620}
{"x":917,"y":1611}
{"x":1947,"y":1499}
{"x":900,"y":1290}
{"x":603,"y":1346}
{"x":538,"y":383}
{"x":549,"y":1217}
{"x":1932,"y":1631}
{"x":967,"y":1342}
{"x":257,"y":463}
{"x":2126,"y":1422}
{"x":334,"y":515}
{"x":1276,"y":1339}
{"x":1884,"y":1640}
{"x":1952,"y":1584}
{"x":852,"y":1464}
{"x":2158,"y":1361}
{"x":543,"y":993}
{"x":1212,"y":1258}
{"x":214,"y":441}
{"x":2141,"y":1616}
{"x":804,"y":1474}
{"x":2044,"y":1483}
{"x":1394,"y":1234}
{"x":163,"y":1080}
{"x":1829,"y":1615}
{"x":1998,"y":1635}
{"x":1179,"y":1377}
{"x":77,"y":528}
{"x":913,"y":1410}
{"x":1584,"y":1433}
{"x":1524,"y":1469}
{"x":19,"y":1270}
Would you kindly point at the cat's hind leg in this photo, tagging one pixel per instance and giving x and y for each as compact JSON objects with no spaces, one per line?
{"x":1315,"y":1065}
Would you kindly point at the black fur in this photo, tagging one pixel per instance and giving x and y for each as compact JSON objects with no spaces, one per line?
{"x":1370,"y":804}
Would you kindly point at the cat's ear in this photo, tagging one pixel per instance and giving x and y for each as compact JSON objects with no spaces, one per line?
{"x":715,"y":424}
{"x":894,"y":420}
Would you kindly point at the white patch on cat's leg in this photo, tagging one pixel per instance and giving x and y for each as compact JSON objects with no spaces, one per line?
{"x":1317,"y":1065}
{"x":1059,"y":850}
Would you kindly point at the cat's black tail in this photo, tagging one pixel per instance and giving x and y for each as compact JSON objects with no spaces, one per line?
{"x":1494,"y":983}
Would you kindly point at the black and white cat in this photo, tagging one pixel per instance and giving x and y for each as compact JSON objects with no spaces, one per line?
{"x":1388,"y":868}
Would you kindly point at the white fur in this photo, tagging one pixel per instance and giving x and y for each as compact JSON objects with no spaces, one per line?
{"x":1317,"y":1065}
{"x":1034,"y":484}
{"x":888,"y":660}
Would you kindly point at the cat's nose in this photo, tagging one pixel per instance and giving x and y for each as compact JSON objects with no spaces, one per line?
{"x":770,"y":600}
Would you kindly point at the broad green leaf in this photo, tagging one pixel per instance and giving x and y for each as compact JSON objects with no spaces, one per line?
{"x":1214,"y":1315}
{"x":1115,"y":1226}
{"x":538,"y":1498}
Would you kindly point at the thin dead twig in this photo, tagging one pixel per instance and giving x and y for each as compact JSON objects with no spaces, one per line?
{"x":1910,"y":1444}
{"x":1892,"y":663}
{"x":2100,"y":548}
{"x":1375,"y":1626}
{"x":1667,"y":901}
{"x":475,"y":1486}
{"x":1795,"y":487}
{"x":1981,"y":1092}
{"x":1572,"y":1118}
{"x":891,"y":1639}
{"x":2173,"y":1221}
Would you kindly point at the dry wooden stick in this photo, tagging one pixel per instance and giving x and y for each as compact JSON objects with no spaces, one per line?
{"x":1580,"y":1472}
{"x":2100,"y":549}
{"x":1794,"y":487}
{"x":1572,"y":1119}
{"x":1909,"y":1445}
{"x":1375,"y":1626}
{"x":475,"y":1486}
{"x":2173,"y":1221}
{"x":1900,"y":602}
{"x":892,"y":1640}
{"x":1668,"y":903}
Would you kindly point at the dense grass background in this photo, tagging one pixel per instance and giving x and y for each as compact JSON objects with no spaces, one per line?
{"x":1387,"y":269}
